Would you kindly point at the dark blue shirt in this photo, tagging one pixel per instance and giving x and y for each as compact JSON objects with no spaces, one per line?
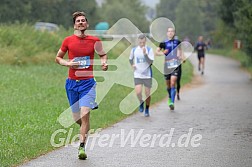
{"x":200,"y":47}
{"x":171,"y":46}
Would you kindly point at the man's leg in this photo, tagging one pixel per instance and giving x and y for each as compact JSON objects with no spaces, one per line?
{"x":202,"y":60}
{"x":199,"y":63}
{"x":168,"y":88}
{"x":148,"y":99}
{"x":178,"y":88}
{"x":85,"y":112}
{"x":178,"y":85}
{"x":173,"y":90}
{"x":138,"y":89}
{"x":84,"y":128}
{"x":77,"y":118}
{"x":73,"y":98}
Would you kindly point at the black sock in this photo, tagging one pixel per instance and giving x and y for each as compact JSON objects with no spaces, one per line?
{"x":147,"y":107}
{"x":82,"y":144}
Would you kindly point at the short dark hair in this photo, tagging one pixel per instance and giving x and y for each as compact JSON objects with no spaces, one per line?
{"x":76,"y":14}
{"x":142,"y":36}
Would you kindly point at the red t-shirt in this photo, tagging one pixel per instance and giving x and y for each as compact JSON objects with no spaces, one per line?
{"x":85,"y":48}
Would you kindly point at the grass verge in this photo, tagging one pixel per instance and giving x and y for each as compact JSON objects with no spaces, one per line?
{"x":242,"y":57}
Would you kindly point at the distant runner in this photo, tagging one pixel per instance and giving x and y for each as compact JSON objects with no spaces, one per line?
{"x":141,"y":58}
{"x":200,"y":48}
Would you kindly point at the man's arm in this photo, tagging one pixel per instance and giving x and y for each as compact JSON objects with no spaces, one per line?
{"x":149,"y":61}
{"x":131,"y":57}
{"x":59,"y":59}
{"x":148,"y":56}
{"x":181,"y":55}
{"x":160,"y":51}
{"x":205,"y":46}
{"x":131,"y":61}
{"x":99,"y":50}
{"x":180,"y":51}
{"x":104,"y":64}
{"x":196,"y":47}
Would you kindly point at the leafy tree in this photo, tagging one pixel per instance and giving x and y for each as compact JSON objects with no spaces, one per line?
{"x":188,"y":20}
{"x":167,"y":9}
{"x":113,"y":10}
{"x":226,"y":10}
{"x":238,"y":14}
{"x":209,"y":12}
{"x":14,"y":11}
{"x":243,"y":24}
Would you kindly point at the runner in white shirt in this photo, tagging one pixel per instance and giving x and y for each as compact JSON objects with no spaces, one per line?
{"x":141,"y":58}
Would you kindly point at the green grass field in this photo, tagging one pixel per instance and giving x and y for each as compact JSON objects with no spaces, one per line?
{"x":33,"y":97}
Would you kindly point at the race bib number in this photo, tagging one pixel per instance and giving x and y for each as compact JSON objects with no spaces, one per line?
{"x":83,"y":61}
{"x":172,"y":63}
{"x":140,"y":60}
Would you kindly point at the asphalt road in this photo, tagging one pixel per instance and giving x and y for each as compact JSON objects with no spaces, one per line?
{"x":211,"y":126}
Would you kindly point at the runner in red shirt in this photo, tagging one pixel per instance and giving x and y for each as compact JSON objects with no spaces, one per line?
{"x":80,"y":84}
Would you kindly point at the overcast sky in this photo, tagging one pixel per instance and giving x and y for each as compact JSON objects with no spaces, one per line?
{"x":150,"y":3}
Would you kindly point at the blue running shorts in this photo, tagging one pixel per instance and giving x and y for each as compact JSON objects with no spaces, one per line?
{"x":81,"y":93}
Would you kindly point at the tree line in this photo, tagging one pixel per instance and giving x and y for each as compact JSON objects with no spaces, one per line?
{"x":56,"y":11}
{"x":237,"y":17}
{"x":220,"y":20}
{"x":59,"y":11}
